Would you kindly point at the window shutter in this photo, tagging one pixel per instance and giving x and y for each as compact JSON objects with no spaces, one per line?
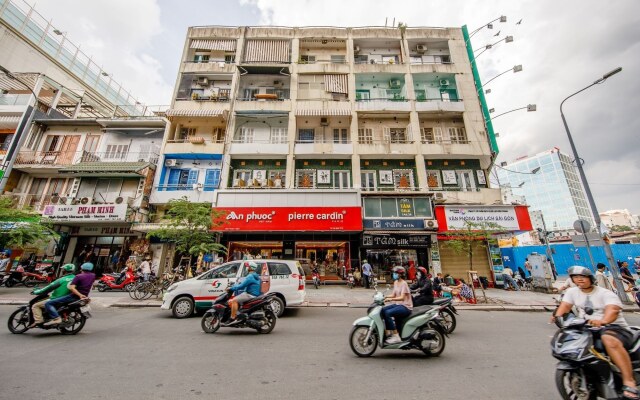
{"x":174,"y":178}
{"x":386,"y":135}
{"x":193,"y":177}
{"x":211,"y":180}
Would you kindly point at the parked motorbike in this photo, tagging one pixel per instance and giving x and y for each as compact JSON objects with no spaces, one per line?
{"x":255,"y":313}
{"x":110,"y":282}
{"x":584,"y":370}
{"x":351,"y":281}
{"x":18,"y":277}
{"x":315,"y":276}
{"x":423,"y":329}
{"x":74,"y":316}
{"x":45,"y":276}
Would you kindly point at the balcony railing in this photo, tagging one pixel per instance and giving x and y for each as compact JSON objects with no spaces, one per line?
{"x":454,"y":189}
{"x":14,"y":99}
{"x":283,"y":140}
{"x":385,"y":141}
{"x":63,"y":158}
{"x":182,"y":187}
{"x":391,"y":189}
{"x":197,"y":140}
{"x":322,"y":61}
{"x":398,"y":99}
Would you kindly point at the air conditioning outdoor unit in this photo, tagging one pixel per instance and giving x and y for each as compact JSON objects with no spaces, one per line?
{"x":276,"y":83}
{"x":63,"y":200}
{"x":431,"y":223}
{"x":439,"y":197}
{"x":421,"y":48}
{"x":356,"y":49}
{"x":324,"y":121}
{"x":395,"y":83}
{"x":444,"y":82}
{"x":86,"y":200}
{"x":170,"y":162}
{"x":202,"y":81}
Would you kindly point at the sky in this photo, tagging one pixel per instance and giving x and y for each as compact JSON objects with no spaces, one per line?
{"x":563,"y":46}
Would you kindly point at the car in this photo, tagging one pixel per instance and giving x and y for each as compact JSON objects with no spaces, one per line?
{"x":197,"y":294}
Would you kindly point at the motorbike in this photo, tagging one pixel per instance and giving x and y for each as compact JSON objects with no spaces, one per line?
{"x":74,"y":316}
{"x":18,"y":277}
{"x":448,"y":313}
{"x":570,"y":315}
{"x":110,"y":282}
{"x":423,"y":329}
{"x":584,"y":370}
{"x":315,"y":276}
{"x":351,"y":281}
{"x":44,"y":276}
{"x":255,"y":314}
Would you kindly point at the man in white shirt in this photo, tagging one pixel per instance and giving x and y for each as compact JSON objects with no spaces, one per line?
{"x":146,"y":268}
{"x":607,"y":313}
{"x":509,"y":282}
{"x":601,"y":278}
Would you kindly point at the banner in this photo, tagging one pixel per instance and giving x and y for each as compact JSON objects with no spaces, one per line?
{"x":508,"y":218}
{"x":85,"y":213}
{"x":312,"y":219}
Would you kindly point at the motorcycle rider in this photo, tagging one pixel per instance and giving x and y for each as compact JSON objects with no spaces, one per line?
{"x":251,"y":285}
{"x":401,"y":307}
{"x":607,"y":313}
{"x":80,"y":287}
{"x":58,"y":288}
{"x":424,"y":288}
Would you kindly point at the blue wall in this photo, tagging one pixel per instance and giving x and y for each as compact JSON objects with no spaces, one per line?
{"x":564,"y":256}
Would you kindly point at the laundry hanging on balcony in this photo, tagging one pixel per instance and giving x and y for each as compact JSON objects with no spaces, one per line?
{"x":336,"y":83}
{"x":214,"y":44}
{"x":267,"y":51}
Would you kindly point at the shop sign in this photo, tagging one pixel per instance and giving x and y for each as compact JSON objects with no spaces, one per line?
{"x":508,"y":218}
{"x":390,"y":224}
{"x":395,"y":241}
{"x":318,"y":219}
{"x":85,"y":213}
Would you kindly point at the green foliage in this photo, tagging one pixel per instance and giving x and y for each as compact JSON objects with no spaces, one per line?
{"x":188,"y":225}
{"x":621,"y":228}
{"x":22,"y":227}
{"x":474,"y":235}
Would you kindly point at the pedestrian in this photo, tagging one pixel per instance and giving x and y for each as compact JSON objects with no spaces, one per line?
{"x":601,"y":278}
{"x":411,"y":273}
{"x":5,"y":264}
{"x":625,"y":273}
{"x":528,"y":267}
{"x":366,"y":273}
{"x":145,"y":268}
{"x":507,"y":277}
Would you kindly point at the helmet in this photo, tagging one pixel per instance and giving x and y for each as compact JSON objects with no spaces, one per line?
{"x":364,"y":261}
{"x":69,"y":267}
{"x":251,"y":265}
{"x":423,"y":270}
{"x":580,"y":270}
{"x":400,"y":271}
{"x":87,"y":266}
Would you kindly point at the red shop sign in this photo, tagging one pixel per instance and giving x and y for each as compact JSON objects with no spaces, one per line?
{"x":288,"y":219}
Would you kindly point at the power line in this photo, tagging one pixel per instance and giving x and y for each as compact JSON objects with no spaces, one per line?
{"x":616,"y":184}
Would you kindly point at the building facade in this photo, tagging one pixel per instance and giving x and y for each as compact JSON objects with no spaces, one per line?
{"x":328,"y":145}
{"x":555,"y":189}
{"x":613,"y":218}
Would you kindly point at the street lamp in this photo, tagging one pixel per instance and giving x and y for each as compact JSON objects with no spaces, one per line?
{"x":528,"y":107}
{"x":592,"y":203}
{"x":489,"y":25}
{"x":506,"y":39}
{"x":516,"y":68}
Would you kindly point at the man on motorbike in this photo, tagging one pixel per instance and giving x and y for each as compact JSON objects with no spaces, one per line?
{"x":423,"y":287}
{"x":80,"y":287}
{"x":607,"y":313}
{"x":58,"y":288}
{"x":401,"y":307}
{"x":251,"y":285}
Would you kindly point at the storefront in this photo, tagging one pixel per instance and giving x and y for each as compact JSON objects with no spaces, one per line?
{"x":327,"y":236}
{"x":498,"y":219}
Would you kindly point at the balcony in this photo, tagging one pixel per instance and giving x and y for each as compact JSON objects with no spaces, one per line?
{"x":15,"y":103}
{"x":162,"y":194}
{"x":439,"y":105}
{"x":323,"y":66}
{"x":324,"y":146}
{"x":209,"y":66}
{"x":383,"y":104}
{"x":273,"y":146}
{"x":457,"y":195}
{"x":35,"y":201}
{"x":195,"y":144}
{"x":463,"y":148}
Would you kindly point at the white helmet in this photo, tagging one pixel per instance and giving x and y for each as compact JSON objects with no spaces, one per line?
{"x":580,"y":270}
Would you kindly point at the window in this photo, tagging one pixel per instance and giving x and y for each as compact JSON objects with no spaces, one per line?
{"x":117,"y":151}
{"x":365,"y":135}
{"x":397,"y":135}
{"x":421,"y":95}
{"x":458,"y":135}
{"x":241,"y":178}
{"x":340,"y":136}
{"x":306,"y":178}
{"x":341,"y":180}
{"x":368,"y":179}
{"x":426,"y":135}
{"x":246,"y":135}
{"x":211,"y":180}
{"x":229,"y":58}
{"x":390,"y":207}
{"x":107,"y":190}
{"x":201,"y":58}
{"x":224,"y":271}
{"x":361,"y":58}
{"x":91,"y":143}
{"x":338,"y":59}
{"x":276,"y":268}
{"x":307,"y":59}
{"x":249,"y":94}
{"x":51,"y":143}
{"x":306,"y":135}
{"x":403,"y":178}
{"x":433,"y":179}
{"x":362,"y":95}
{"x":279,"y":135}
{"x":182,"y":179}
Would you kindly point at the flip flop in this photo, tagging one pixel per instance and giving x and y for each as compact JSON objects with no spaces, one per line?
{"x":634,"y":391}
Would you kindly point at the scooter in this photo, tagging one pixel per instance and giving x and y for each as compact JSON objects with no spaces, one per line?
{"x":110,"y":282}
{"x":254,"y":314}
{"x":316,"y":279}
{"x":44,"y":276}
{"x":423,"y":329}
{"x":448,"y":313}
{"x":585,"y":371}
{"x":74,"y":316}
{"x":18,"y":277}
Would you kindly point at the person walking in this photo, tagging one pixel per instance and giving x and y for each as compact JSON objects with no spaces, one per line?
{"x":145,"y":268}
{"x":366,"y":273}
{"x":601,"y":278}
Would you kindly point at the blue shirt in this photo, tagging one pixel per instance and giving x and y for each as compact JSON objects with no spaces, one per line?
{"x":251,"y":284}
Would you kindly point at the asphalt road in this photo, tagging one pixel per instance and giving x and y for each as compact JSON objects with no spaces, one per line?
{"x":146,"y":354}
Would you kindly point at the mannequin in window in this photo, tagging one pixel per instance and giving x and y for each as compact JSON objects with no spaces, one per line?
{"x":277,"y":181}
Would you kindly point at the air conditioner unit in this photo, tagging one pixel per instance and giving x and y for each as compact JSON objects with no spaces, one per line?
{"x":356,"y":49}
{"x":421,"y":48}
{"x":54,"y":200}
{"x":439,"y":197}
{"x":75,"y":201}
{"x":431,"y":223}
{"x":202,"y":81}
{"x":395,"y":83}
{"x":324,"y":121}
{"x":86,"y":200}
{"x":197,"y":186}
{"x":119,"y":200}
{"x":170,"y":162}
{"x":444,"y":82}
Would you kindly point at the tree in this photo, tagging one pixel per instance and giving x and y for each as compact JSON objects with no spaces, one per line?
{"x":188,"y":225}
{"x":621,"y":228}
{"x":22,"y":227}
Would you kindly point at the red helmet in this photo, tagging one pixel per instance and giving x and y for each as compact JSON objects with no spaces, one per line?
{"x":400,"y":271}
{"x":423,"y":270}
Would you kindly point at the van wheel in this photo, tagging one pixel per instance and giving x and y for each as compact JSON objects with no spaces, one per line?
{"x":182,"y":308}
{"x":277,"y":305}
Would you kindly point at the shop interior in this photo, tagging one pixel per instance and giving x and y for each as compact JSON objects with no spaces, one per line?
{"x":383,"y":260}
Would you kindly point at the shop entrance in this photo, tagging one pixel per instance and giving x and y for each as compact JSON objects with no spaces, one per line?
{"x":383,"y":260}
{"x":106,"y":251}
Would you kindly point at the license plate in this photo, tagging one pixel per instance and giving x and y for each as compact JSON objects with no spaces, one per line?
{"x":85,"y":309}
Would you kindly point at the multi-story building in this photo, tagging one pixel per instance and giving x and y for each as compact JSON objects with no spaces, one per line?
{"x":554,"y":188}
{"x":613,"y":218}
{"x":76,"y":146}
{"x":330,"y":145}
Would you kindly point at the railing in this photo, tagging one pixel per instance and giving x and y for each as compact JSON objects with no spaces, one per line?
{"x":444,"y":141}
{"x":141,"y":111}
{"x":386,"y":141}
{"x":14,"y":99}
{"x":322,"y":61}
{"x":324,"y":140}
{"x":191,"y":140}
{"x":182,"y":187}
{"x":392,"y":189}
{"x":426,"y":62}
{"x":398,"y":99}
{"x":378,"y":60}
{"x":265,"y":141}
{"x":63,"y":158}
{"x":453,"y":189}
{"x":420,"y":100}
{"x":219,"y":62}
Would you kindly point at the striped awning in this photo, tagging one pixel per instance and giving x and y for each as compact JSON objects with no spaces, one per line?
{"x":267,"y":51}
{"x":319,"y":112}
{"x":9,"y":120}
{"x":336,"y":83}
{"x":214,"y":44}
{"x":194,"y":113}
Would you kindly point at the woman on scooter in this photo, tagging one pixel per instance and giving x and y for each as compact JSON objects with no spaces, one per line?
{"x":401,"y":307}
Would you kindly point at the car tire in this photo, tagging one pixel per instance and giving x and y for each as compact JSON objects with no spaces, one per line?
{"x":182,"y":307}
{"x":277,"y":305}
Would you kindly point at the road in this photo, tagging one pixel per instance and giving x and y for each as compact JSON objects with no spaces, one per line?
{"x":146,"y":354}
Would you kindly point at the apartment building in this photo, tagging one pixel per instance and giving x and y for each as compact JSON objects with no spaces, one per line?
{"x":331,"y":145}
{"x":74,"y":144}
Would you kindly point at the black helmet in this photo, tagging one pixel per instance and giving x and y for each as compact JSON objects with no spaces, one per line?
{"x":400,"y":271}
{"x":580,"y":270}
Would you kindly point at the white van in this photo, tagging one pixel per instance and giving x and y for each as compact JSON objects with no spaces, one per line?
{"x":197,"y":294}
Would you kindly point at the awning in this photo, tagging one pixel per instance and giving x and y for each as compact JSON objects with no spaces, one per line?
{"x":336,"y":83}
{"x":265,"y":51}
{"x":9,"y":121}
{"x":194,"y":113}
{"x":214,"y":44}
{"x":192,"y":156}
{"x":319,"y":112}
{"x":102,"y":168}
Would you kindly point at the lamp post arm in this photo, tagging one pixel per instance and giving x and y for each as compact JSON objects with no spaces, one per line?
{"x":479,"y":29}
{"x":515,"y":109}
{"x":497,"y":76}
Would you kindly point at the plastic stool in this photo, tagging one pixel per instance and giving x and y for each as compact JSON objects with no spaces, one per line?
{"x":446,"y":294}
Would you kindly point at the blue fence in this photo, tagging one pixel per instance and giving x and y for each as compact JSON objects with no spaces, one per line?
{"x":567,"y":255}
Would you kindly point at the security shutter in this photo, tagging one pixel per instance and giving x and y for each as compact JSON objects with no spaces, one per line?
{"x":458,"y":264}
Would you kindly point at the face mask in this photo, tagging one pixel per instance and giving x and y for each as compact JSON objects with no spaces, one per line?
{"x":419,"y":275}
{"x":395,"y":276}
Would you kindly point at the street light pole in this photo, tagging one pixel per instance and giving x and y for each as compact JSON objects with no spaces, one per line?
{"x":529,"y":107}
{"x":596,"y":216}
